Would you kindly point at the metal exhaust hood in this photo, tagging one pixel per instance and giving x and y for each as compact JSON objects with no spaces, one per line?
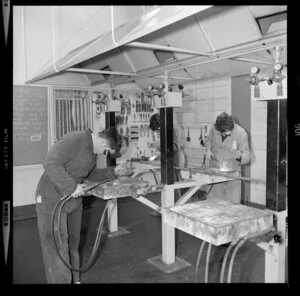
{"x":151,"y":21}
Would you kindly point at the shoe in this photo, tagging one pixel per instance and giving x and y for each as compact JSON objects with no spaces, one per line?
{"x":78,"y":283}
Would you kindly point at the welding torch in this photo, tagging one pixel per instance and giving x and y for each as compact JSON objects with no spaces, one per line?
{"x":86,"y":189}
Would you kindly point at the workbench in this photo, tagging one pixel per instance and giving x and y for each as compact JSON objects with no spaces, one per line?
{"x":215,"y":222}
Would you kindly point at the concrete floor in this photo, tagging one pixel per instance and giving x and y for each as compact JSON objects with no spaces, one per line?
{"x":123,"y":259}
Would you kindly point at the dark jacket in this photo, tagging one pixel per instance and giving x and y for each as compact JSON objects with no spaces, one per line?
{"x":69,"y":162}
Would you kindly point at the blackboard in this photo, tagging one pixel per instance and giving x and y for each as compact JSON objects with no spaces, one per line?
{"x":30,"y":125}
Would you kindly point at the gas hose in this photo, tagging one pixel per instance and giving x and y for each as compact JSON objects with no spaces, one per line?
{"x":97,"y":240}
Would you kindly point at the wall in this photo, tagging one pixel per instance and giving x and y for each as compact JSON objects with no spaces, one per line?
{"x":205,"y":100}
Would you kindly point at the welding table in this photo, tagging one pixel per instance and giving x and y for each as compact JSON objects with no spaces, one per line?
{"x":216,"y":222}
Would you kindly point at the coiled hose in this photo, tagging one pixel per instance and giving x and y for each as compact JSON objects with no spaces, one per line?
{"x":97,"y":240}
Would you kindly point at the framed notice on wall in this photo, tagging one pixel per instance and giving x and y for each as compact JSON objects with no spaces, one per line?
{"x":30,"y":125}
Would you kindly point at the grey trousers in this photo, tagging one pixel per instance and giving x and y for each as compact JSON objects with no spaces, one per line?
{"x":55,"y":270}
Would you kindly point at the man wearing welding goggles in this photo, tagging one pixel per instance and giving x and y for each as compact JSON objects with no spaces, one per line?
{"x":227,"y":149}
{"x":69,"y":162}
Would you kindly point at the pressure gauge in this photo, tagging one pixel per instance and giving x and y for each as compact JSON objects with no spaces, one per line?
{"x":255,"y":70}
{"x":278,"y":67}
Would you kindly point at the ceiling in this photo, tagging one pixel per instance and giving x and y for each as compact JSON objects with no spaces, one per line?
{"x":205,"y":41}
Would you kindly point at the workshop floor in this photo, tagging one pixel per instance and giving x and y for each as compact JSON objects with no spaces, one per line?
{"x":123,"y":259}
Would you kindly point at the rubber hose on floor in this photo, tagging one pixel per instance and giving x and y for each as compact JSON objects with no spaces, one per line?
{"x":232,"y":258}
{"x":207,"y":263}
{"x":198,"y":259}
{"x":225,"y":259}
{"x":97,"y":240}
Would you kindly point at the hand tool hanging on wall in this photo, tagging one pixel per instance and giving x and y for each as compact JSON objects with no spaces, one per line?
{"x":128,"y":107}
{"x":188,"y":138}
{"x":201,"y":138}
{"x":205,"y":132}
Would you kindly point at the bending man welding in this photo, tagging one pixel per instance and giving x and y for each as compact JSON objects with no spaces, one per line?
{"x":227,"y":148}
{"x":69,"y":162}
{"x":179,"y":157}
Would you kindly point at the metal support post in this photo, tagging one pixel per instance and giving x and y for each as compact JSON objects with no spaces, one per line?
{"x":166,"y":142}
{"x":168,"y":232}
{"x":168,"y":262}
{"x":275,"y":262}
{"x":112,"y":212}
{"x":276,"y":191}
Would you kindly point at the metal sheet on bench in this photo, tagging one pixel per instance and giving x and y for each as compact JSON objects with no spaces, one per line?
{"x":217,"y":221}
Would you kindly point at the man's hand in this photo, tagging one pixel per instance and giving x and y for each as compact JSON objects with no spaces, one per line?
{"x":79,"y":191}
{"x":208,"y":154}
{"x":111,"y":174}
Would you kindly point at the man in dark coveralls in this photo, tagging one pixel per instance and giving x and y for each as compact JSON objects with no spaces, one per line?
{"x":69,"y":162}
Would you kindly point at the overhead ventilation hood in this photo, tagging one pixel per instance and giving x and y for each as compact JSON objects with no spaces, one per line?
{"x":151,"y":21}
{"x":188,"y":42}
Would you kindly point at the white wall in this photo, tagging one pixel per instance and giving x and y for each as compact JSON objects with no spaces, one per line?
{"x":205,"y":101}
{"x":25,"y":180}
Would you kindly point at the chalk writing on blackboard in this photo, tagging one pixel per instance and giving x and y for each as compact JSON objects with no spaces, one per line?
{"x":30,"y":125}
